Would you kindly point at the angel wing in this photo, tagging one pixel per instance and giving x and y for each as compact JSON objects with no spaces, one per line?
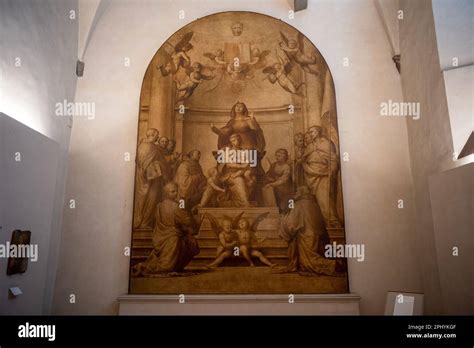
{"x":199,"y":224}
{"x":264,"y":54}
{"x":235,"y":220}
{"x":257,"y":220}
{"x":210,"y":55}
{"x":284,"y":38}
{"x":261,"y":60}
{"x":284,"y":60}
{"x":215,"y":226}
{"x":184,"y":41}
{"x":269,"y":70}
{"x":164,"y":57}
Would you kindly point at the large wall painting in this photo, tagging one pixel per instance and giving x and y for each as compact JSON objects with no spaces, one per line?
{"x":238,"y":176}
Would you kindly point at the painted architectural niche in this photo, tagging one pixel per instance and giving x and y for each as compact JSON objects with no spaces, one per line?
{"x":238,"y":182}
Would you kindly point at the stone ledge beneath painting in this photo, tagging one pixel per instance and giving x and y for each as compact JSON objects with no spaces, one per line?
{"x":324,"y":304}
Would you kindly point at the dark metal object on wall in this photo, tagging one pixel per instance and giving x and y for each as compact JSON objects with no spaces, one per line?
{"x":396,"y":60}
{"x":80,"y":68}
{"x":300,"y":5}
{"x":18,"y":264}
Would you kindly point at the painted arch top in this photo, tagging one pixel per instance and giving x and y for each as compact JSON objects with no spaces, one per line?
{"x":240,"y":54}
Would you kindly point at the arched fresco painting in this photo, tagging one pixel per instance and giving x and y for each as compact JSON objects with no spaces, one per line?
{"x":238,"y":175}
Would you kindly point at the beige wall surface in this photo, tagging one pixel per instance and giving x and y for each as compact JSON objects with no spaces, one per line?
{"x":93,"y":266}
{"x":452,"y":200}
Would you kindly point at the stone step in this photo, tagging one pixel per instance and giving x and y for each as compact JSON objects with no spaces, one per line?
{"x":214,"y":241}
{"x":270,"y":254}
{"x":265,"y":225}
{"x":198,"y":263}
{"x":210,"y":251}
{"x":268,"y":226}
{"x":144,"y":236}
{"x":267,"y":243}
{"x":277,"y":256}
{"x":233,"y":211}
{"x":138,"y":234}
{"x":209,"y":234}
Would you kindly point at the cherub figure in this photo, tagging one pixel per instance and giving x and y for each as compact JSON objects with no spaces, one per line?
{"x":246,"y":235}
{"x":196,"y":74}
{"x":292,"y":51}
{"x":209,"y":197}
{"x":178,"y":58}
{"x":217,"y":57}
{"x":257,"y":56}
{"x":237,"y":71}
{"x":227,"y":237}
{"x":245,"y":70}
{"x":277,"y":72}
{"x":257,"y":61}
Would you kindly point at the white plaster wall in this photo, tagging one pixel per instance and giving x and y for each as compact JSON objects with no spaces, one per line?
{"x":454,"y":26}
{"x":27,"y":192}
{"x":93,"y":265}
{"x":451,"y":194}
{"x":459,"y":85}
{"x":44,"y":39}
{"x":454,"y":31}
{"x":388,"y":11}
{"x":431,"y":154}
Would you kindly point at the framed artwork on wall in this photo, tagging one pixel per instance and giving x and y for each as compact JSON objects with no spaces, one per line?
{"x":238,"y":177}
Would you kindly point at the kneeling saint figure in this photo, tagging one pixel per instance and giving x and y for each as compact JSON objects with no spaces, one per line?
{"x":304,"y":229}
{"x":173,"y":243}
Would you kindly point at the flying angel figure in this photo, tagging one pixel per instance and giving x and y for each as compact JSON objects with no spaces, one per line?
{"x":217,"y":57}
{"x":277,"y":72}
{"x":178,"y":57}
{"x":195,"y":75}
{"x":257,"y":61}
{"x":292,"y":52}
{"x":228,"y":239}
{"x":239,"y":71}
{"x":246,"y":235}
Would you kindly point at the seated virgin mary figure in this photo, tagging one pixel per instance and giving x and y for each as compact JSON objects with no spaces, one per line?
{"x":251,"y":137}
{"x":238,"y":178}
{"x":245,"y":126}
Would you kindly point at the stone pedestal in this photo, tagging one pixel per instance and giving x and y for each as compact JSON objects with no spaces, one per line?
{"x":325,"y":304}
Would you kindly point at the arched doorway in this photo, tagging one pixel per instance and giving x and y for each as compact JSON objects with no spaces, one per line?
{"x":250,"y":86}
